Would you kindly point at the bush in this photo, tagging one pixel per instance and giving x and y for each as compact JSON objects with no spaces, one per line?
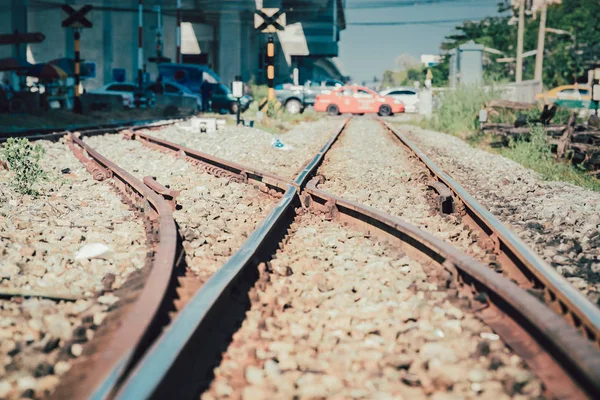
{"x":23,"y":160}
{"x":459,"y":110}
{"x":535,"y":152}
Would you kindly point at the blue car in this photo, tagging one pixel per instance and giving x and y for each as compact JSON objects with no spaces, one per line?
{"x":201,"y":79}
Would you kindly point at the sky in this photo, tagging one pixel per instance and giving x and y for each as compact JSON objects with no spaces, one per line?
{"x":367,"y":51}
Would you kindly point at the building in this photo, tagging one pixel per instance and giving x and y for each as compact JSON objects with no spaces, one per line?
{"x":218,"y":33}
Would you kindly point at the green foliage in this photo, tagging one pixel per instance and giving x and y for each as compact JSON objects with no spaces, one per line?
{"x":459,"y":109}
{"x":566,"y":57}
{"x":535,"y":152}
{"x":258,"y":92}
{"x":23,"y":160}
{"x":409,"y":76}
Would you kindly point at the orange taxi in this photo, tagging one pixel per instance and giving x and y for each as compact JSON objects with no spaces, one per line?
{"x":357,"y":100}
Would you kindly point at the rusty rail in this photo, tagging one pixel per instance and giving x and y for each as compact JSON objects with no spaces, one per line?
{"x":517,"y":259}
{"x":180,"y":360}
{"x":564,"y":360}
{"x":187,"y":346}
{"x":142,"y":322}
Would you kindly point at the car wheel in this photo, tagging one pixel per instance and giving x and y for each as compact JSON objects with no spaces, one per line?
{"x":332,"y":109}
{"x":16,"y":105}
{"x":385,"y":110}
{"x":233,"y":108}
{"x":293,"y":106}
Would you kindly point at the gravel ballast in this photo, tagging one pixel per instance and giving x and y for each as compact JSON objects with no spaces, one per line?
{"x":339,"y":315}
{"x":558,"y":220}
{"x":39,"y":240}
{"x":216,"y":215}
{"x":254,"y":147}
{"x":368,"y":166}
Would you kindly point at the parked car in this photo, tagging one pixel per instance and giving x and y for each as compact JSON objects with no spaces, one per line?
{"x":296,"y":98}
{"x":407,"y":95}
{"x":127,"y":91}
{"x":175,"y":89}
{"x":569,"y":96}
{"x":357,"y":100}
{"x":204,"y":81}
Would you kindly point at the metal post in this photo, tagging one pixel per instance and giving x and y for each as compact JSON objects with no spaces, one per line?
{"x":77,"y":37}
{"x":178,"y":58}
{"x":140,"y":44}
{"x":521,"y":34}
{"x":539,"y":60}
{"x":159,"y":34}
{"x":271,"y":68}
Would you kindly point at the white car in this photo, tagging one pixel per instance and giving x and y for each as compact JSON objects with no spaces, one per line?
{"x":126,"y":90}
{"x":407,"y":95}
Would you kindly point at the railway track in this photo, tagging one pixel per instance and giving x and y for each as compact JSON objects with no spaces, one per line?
{"x":182,"y":358}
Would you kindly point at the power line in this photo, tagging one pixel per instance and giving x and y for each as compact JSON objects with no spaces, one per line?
{"x":401,"y":23}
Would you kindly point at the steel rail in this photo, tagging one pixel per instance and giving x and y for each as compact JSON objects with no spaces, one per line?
{"x":233,"y":170}
{"x":142,"y":322}
{"x":567,"y":363}
{"x":526,"y":267}
{"x":36,"y":134}
{"x":162,"y":371}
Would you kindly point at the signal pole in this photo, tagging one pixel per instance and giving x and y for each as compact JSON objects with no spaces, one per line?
{"x":539,"y":59}
{"x":521,"y":34}
{"x":271,"y":68}
{"x":77,"y":43}
{"x":141,"y":43}
{"x":178,"y":56}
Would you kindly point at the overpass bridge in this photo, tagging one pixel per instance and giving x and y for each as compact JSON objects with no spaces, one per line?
{"x":218,"y":33}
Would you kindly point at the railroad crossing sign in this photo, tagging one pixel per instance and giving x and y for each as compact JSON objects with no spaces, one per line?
{"x":269,"y":20}
{"x":76,"y":18}
{"x":19,"y":38}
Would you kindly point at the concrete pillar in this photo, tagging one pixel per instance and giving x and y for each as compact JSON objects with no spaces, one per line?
{"x":92,"y":46}
{"x":230,"y":46}
{"x":48,"y":21}
{"x":106,"y":64}
{"x":19,"y":22}
{"x":471,"y":63}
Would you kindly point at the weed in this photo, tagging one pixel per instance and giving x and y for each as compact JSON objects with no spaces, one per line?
{"x":23,"y":160}
{"x":459,"y":109}
{"x":535,"y":152}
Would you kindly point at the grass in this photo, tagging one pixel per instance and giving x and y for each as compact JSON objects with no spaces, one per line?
{"x":535,"y":153}
{"x":457,"y":115}
{"x":459,"y":110}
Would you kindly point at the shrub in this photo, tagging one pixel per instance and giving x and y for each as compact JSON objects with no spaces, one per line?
{"x":459,"y":110}
{"x":23,"y":160}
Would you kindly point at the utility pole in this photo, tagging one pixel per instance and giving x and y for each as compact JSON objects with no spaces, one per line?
{"x":539,"y":59}
{"x":178,"y":55}
{"x":141,"y":44}
{"x":520,"y":37}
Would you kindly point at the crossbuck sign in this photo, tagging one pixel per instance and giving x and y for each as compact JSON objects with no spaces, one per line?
{"x":269,"y":20}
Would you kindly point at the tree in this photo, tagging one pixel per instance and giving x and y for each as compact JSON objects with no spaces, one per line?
{"x":567,"y":57}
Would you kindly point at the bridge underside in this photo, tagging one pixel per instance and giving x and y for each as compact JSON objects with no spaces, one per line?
{"x":220,"y":34}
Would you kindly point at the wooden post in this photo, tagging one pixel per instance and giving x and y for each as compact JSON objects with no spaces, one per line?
{"x":521,"y":34}
{"x":539,"y":60}
{"x":565,"y":139}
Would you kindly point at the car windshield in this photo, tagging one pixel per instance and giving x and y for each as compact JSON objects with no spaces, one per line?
{"x":120,"y":87}
{"x":360,"y":93}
